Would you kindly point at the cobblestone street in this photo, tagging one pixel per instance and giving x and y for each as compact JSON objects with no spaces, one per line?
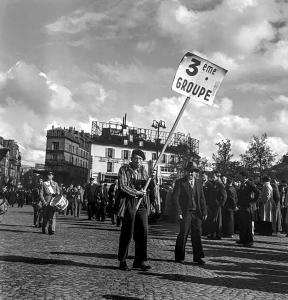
{"x":80,"y":262}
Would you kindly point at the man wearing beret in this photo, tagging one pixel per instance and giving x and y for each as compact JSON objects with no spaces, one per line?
{"x":48,"y":190}
{"x":191,"y":210}
{"x":131,"y":179}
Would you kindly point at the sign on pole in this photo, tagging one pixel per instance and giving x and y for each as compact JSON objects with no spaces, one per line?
{"x":198,"y":78}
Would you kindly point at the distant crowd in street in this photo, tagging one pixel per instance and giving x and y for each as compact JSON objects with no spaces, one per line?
{"x":205,"y":204}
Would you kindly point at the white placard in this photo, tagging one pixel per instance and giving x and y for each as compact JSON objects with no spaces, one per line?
{"x":198,"y":78}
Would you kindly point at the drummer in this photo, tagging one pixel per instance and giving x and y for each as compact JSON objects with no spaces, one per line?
{"x":49,"y":190}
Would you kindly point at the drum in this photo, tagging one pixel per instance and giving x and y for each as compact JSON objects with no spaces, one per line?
{"x":59,"y":202}
{"x":3,"y":206}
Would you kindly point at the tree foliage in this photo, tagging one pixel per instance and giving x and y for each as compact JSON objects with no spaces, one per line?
{"x":259,"y":156}
{"x":222,"y":159}
{"x":184,"y":155}
{"x":205,"y":164}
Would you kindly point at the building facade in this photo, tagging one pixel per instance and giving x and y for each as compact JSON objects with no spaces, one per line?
{"x":113,"y":143}
{"x":10,"y":162}
{"x":68,"y":155}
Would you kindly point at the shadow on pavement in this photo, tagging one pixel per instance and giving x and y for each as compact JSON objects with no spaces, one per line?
{"x":257,"y":282}
{"x":47,"y":261}
{"x":251,"y":253}
{"x":116,"y":297}
{"x":95,"y":228}
{"x":22,"y":231}
{"x":97,"y":255}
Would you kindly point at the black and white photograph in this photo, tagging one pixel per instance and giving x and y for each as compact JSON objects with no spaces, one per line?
{"x":143,"y":149}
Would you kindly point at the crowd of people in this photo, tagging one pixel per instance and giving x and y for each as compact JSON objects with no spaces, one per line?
{"x":206,"y":204}
{"x":265,"y":205}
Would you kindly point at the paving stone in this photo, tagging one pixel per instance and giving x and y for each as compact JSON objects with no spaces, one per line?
{"x":80,"y":262}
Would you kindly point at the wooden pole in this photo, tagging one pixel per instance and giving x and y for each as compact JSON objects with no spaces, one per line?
{"x":166,"y":144}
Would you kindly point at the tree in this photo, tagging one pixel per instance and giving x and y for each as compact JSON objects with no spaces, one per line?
{"x":204,"y":164}
{"x":223,"y":157}
{"x":184,"y":155}
{"x":259,"y":156}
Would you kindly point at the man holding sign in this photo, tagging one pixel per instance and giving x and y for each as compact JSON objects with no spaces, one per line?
{"x":132,"y":178}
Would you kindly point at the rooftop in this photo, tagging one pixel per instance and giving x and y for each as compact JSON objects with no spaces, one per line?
{"x":121,"y":134}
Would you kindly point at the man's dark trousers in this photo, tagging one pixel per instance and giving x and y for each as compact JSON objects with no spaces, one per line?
{"x":134,"y":224}
{"x":245,"y":226}
{"x":190,"y":224}
{"x":91,"y":209}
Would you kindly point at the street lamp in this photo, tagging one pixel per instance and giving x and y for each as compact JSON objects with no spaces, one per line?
{"x":157,"y":125}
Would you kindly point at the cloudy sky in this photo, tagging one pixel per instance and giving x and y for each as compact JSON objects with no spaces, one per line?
{"x":68,"y":62}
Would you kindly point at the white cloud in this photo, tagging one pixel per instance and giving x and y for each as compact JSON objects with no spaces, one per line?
{"x":77,"y":22}
{"x":234,"y":28}
{"x":279,"y":55}
{"x":145,"y":46}
{"x":137,"y":73}
{"x":32,"y":101}
{"x":211,"y":124}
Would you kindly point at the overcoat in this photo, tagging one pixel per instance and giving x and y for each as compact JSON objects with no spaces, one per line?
{"x":266,"y":203}
{"x":181,"y":196}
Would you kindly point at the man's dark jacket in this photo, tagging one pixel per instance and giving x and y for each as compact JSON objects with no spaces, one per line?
{"x":182,"y":197}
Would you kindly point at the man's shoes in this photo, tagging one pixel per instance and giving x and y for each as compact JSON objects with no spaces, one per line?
{"x":180,"y":261}
{"x":123,"y":266}
{"x":248,"y":245}
{"x":141,"y":266}
{"x":228,"y":236}
{"x":51,"y":232}
{"x":43,"y":231}
{"x":199,"y":261}
{"x":239,"y":242}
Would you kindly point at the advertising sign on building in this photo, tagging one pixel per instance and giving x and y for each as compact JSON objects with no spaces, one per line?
{"x":198,"y":78}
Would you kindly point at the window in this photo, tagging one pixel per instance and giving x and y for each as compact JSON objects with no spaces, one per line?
{"x":166,"y":169}
{"x":109,"y":166}
{"x":172,"y":159}
{"x":54,"y":156}
{"x":154,"y":156}
{"x":141,"y":143}
{"x":110,"y":152}
{"x":55,"y":146}
{"x":125,"y":142}
{"x":125,"y":154}
{"x":73,"y":149}
{"x":163,"y":160}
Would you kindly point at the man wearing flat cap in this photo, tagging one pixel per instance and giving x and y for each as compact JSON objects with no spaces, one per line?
{"x":131,"y":180}
{"x":191,"y":210}
{"x":48,"y":190}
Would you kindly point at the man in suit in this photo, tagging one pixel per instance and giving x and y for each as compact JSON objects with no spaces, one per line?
{"x":191,"y":209}
{"x":215,"y":205}
{"x":132,"y":178}
{"x":90,"y":196}
{"x":37,"y":204}
{"x":48,"y":190}
{"x":112,"y":195}
{"x":245,"y":198}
